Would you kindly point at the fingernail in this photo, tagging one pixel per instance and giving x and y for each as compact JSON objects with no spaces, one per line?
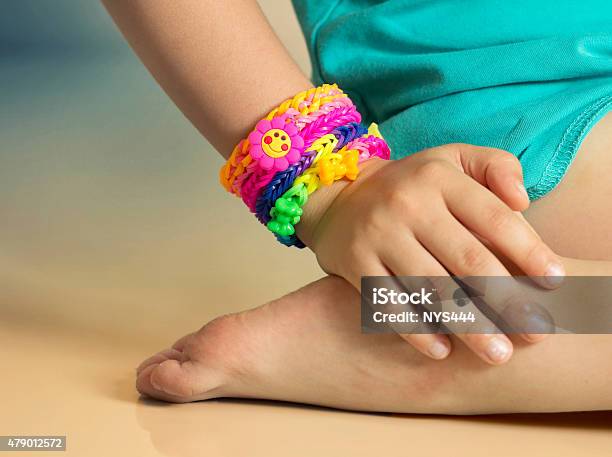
{"x":534,"y":337}
{"x":521,"y":188}
{"x":539,"y":325}
{"x":439,"y":350}
{"x":554,"y":274}
{"x":498,"y":350}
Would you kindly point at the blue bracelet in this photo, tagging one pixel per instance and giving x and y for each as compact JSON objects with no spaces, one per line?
{"x":283,"y":180}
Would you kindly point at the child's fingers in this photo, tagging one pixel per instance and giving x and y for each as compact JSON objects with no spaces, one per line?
{"x":458,"y":250}
{"x":410,"y":259}
{"x":432,"y":345}
{"x":483,"y":213}
{"x":479,"y":334}
{"x":497,"y":170}
{"x":366,"y":266}
{"x":467,"y":256}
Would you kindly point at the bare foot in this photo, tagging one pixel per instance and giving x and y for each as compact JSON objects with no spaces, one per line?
{"x":305,"y":347}
{"x":308,"y":347}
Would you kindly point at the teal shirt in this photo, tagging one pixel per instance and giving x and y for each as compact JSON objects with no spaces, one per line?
{"x":528,"y":76}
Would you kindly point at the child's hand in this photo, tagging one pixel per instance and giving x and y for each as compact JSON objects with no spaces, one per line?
{"x":425,"y":215}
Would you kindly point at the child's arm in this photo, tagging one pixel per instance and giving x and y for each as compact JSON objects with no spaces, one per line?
{"x":224,"y":67}
{"x":219,"y":61}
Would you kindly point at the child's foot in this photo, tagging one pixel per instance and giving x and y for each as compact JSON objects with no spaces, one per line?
{"x":306,"y":347}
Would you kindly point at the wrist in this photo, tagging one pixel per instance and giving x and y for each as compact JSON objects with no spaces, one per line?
{"x":300,"y":152}
{"x":314,"y":210}
{"x":321,"y":201}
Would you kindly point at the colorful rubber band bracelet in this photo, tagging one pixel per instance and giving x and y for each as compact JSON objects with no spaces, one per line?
{"x":284,"y":179}
{"x":306,"y":105}
{"x":262,"y":175}
{"x":287,"y":210}
{"x":310,"y":140}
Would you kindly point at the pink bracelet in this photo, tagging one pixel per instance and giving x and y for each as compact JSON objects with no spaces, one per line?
{"x":258,"y":178}
{"x":308,"y":141}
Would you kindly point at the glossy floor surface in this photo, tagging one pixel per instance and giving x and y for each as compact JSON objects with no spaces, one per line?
{"x":62,"y":381}
{"x":116,"y":240}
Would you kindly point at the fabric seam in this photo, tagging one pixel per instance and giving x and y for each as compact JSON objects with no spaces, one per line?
{"x":568,"y":147}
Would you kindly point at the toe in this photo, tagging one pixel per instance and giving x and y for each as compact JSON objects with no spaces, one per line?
{"x":197,"y":370}
{"x":180,"y":344}
{"x":144,"y":387}
{"x":159,"y":358}
{"x":215,"y":361}
{"x":179,"y":381}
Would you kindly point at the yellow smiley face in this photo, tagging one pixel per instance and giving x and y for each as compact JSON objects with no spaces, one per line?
{"x":276,"y":143}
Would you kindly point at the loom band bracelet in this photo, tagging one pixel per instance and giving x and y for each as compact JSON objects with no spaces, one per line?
{"x":357,"y":151}
{"x":337,"y":166}
{"x":291,"y":241}
{"x":373,"y":144}
{"x":257,"y":179}
{"x":369,"y":147}
{"x":274,"y":145}
{"x":320,"y":147}
{"x":302,"y":120}
{"x":309,"y":100}
{"x":303,"y":104}
{"x":327,"y":123}
{"x":373,"y":130}
{"x":235,"y":162}
{"x":252,"y":187}
{"x":290,"y":211}
{"x":253,"y":178}
{"x":331,"y":166}
{"x":342,"y":161}
{"x":284,"y":180}
{"x":287,"y":210}
{"x":349,"y":132}
{"x":287,"y":214}
{"x":332,"y":94}
{"x":284,"y":230}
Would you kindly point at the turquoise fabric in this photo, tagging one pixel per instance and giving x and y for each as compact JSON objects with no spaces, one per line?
{"x":527,"y":76}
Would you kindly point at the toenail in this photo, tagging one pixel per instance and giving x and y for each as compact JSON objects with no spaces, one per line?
{"x":155,"y":385}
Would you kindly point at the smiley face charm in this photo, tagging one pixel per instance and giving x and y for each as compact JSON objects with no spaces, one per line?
{"x":275,"y":144}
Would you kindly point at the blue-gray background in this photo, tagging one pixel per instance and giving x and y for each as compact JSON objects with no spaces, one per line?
{"x":111,"y":211}
{"x":55,"y":29}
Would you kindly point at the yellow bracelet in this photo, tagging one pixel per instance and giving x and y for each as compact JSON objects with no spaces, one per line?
{"x":304,"y":103}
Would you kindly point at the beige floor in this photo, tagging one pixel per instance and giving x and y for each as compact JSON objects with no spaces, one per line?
{"x":58,"y":380}
{"x":115,"y":240}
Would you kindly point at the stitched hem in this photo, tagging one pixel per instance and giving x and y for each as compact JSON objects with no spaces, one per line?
{"x":568,"y":147}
